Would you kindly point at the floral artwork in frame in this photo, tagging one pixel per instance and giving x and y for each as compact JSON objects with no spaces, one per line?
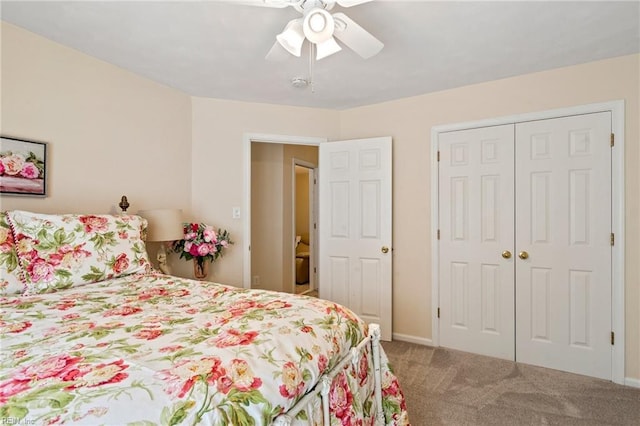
{"x":23,"y":167}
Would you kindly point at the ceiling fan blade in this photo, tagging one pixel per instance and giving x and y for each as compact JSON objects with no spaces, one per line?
{"x":349,"y":3}
{"x":277,"y":53}
{"x":265,"y":3}
{"x":355,"y":37}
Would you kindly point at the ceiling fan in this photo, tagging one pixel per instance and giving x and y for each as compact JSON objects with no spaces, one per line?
{"x":321,"y":28}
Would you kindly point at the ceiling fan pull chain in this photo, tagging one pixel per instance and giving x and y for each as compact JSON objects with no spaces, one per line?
{"x":312,"y":49}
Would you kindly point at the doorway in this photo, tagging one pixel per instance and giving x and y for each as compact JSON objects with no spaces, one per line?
{"x":270,"y":244}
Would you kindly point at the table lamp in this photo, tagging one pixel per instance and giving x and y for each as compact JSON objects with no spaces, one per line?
{"x":164,"y":225}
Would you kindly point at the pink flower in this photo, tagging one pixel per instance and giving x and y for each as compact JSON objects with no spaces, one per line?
{"x":234,"y":338}
{"x":94,"y":223}
{"x":209,"y":234}
{"x":240,"y":376}
{"x":148,"y":334}
{"x":341,"y":398}
{"x":54,"y":366}
{"x":13,"y":164}
{"x":1,"y":168}
{"x":39,"y":270}
{"x":181,"y":378}
{"x":96,"y":375}
{"x":123,"y":311}
{"x":292,"y":383}
{"x":322,"y":362}
{"x":30,"y":171}
{"x":18,"y":327}
{"x":70,"y":317}
{"x":204,"y":249}
{"x":12,"y":387}
{"x":121,"y":263}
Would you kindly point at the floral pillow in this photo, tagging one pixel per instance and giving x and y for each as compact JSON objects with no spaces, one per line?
{"x":10,"y":282}
{"x":62,"y":251}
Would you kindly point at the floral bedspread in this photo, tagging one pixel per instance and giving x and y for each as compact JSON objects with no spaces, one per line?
{"x":154,"y":349}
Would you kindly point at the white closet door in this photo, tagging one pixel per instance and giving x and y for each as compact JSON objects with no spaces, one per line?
{"x":563,"y":211}
{"x":476,"y":213}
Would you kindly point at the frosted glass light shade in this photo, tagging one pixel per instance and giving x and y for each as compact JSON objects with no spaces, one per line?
{"x":326,"y":48}
{"x":164,"y":224}
{"x":292,"y":37}
{"x":318,"y":25}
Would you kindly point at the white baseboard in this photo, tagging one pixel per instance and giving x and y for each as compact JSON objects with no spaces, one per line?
{"x":634,"y":383}
{"x":412,"y":339}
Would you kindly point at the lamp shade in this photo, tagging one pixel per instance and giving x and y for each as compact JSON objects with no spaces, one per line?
{"x":164,"y":224}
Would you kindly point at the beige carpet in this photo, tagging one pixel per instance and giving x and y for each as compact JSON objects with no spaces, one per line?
{"x":446,"y":387}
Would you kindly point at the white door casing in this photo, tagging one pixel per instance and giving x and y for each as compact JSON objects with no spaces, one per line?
{"x":355,"y":262}
{"x":476,"y":228}
{"x":563,"y":210}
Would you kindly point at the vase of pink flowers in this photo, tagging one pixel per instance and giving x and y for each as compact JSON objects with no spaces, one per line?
{"x":203,"y":244}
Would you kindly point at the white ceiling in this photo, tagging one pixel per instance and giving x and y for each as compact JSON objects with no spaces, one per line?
{"x":216,"y":49}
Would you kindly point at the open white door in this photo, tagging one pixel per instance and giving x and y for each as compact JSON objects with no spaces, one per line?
{"x":355,"y":228}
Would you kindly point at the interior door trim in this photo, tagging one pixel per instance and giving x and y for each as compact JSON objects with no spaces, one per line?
{"x":617,"y":109}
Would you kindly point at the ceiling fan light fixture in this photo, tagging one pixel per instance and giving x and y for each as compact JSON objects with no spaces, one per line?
{"x":327,"y":48}
{"x":318,"y":25}
{"x":292,"y":37}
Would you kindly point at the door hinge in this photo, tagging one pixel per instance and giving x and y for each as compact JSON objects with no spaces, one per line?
{"x":438,"y":312}
{"x":314,"y":226}
{"x":438,"y":155}
{"x":613,"y":239}
{"x":438,"y":234}
{"x":613,"y":338}
{"x":613,"y":140}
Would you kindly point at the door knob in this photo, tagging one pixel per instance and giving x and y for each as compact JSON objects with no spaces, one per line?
{"x":523,"y":255}
{"x":385,"y":249}
{"x":506,"y":254}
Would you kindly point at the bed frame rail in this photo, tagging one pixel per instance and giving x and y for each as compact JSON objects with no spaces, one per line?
{"x":323,"y":386}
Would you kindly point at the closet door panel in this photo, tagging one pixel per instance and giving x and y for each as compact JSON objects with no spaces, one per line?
{"x":476,"y":210}
{"x":563,"y":211}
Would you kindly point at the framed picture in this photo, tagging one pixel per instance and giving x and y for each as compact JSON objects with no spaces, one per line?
{"x":23,"y":167}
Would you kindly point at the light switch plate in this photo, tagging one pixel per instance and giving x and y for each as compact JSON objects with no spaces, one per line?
{"x":236,"y":213}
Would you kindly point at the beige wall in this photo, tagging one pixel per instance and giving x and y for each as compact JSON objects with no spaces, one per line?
{"x":409,"y":122}
{"x":110,"y":132}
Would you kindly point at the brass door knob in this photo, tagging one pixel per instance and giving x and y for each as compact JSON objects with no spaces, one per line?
{"x":385,"y":249}
{"x":506,"y":254}
{"x":523,"y":255}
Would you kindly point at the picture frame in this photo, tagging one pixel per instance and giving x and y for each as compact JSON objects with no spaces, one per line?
{"x":23,"y":167}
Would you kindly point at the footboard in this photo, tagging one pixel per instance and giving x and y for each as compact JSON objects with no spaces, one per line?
{"x":372,"y":341}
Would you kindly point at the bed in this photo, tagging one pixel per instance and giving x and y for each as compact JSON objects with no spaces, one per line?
{"x":92,"y":335}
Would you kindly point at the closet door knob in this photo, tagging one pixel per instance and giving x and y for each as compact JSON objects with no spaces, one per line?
{"x":506,"y":254}
{"x":385,"y":249}
{"x":523,"y":255}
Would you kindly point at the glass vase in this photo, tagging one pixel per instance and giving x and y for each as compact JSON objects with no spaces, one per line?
{"x":200,"y":268}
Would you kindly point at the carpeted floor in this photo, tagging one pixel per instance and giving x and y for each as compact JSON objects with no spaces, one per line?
{"x":447,"y":387}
